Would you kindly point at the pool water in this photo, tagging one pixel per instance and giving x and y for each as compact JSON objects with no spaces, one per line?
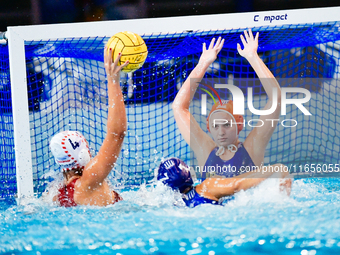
{"x":259,"y":221}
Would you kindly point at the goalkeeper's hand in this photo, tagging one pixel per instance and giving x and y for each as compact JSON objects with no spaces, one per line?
{"x":250,"y":44}
{"x":209,"y":55}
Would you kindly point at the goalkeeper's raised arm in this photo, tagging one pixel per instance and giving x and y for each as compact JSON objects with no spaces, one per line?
{"x":189,"y":128}
{"x":224,"y":148}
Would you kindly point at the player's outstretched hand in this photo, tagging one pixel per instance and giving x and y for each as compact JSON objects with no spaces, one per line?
{"x":250,"y":44}
{"x":209,"y":55}
{"x":112,"y":69}
{"x":286,"y":185}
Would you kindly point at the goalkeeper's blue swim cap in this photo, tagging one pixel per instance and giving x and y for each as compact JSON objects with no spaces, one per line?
{"x":175,"y":173}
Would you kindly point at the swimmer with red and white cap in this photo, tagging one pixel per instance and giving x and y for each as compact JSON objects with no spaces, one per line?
{"x":84,"y":177}
{"x":224,"y":149}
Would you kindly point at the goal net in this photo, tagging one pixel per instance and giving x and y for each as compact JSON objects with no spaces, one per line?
{"x":67,"y":90}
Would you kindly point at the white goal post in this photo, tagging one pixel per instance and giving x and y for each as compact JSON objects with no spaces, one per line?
{"x":17,"y":36}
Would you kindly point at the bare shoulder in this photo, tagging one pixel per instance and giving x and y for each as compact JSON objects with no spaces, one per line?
{"x":100,"y":195}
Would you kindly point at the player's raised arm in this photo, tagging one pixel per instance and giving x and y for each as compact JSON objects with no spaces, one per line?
{"x":101,"y":165}
{"x":185,"y":121}
{"x":262,"y":134}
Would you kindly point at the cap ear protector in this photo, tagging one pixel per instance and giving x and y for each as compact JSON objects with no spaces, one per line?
{"x":227,"y":106}
{"x":175,"y":173}
{"x":70,"y":150}
{"x":84,"y":157}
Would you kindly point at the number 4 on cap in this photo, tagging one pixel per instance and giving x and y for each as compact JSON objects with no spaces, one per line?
{"x":74,"y":145}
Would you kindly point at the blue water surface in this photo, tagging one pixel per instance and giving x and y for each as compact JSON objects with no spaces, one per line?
{"x":262,"y":220}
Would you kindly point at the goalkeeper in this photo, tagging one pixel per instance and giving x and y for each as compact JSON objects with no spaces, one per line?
{"x":84,"y":177}
{"x":224,"y":151}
